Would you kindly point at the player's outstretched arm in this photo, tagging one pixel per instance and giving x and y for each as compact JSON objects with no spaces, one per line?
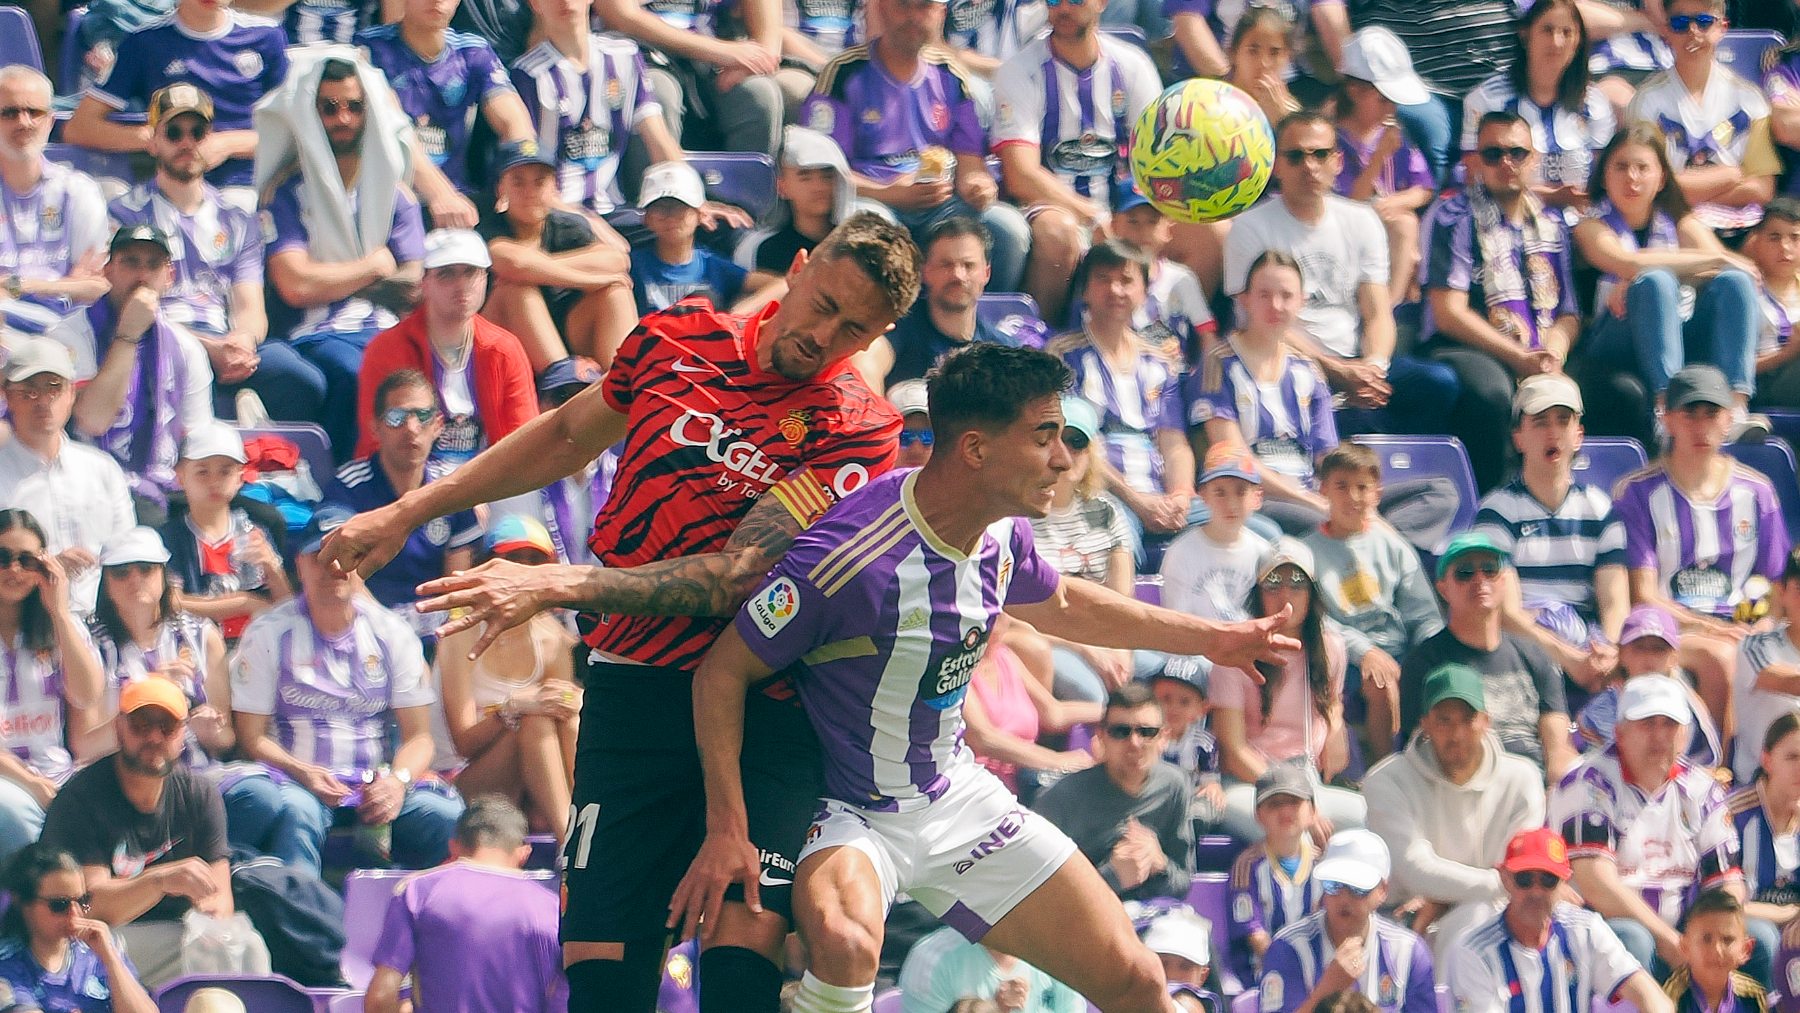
{"x":550,"y":447}
{"x":503,"y":594}
{"x":727,"y":856}
{"x":1091,"y":613}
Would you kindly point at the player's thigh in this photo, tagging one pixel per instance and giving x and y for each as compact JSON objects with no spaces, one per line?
{"x":1074,"y":929}
{"x":848,"y":874}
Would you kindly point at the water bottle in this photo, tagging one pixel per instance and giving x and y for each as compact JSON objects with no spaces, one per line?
{"x":249,"y":573}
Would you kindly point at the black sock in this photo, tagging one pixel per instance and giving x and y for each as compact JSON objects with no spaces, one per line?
{"x":736,"y":980}
{"x":618,"y":986}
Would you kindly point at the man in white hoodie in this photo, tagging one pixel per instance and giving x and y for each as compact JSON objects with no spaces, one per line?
{"x":1448,"y":804}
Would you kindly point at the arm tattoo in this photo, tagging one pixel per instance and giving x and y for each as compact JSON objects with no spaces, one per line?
{"x":711,"y":584}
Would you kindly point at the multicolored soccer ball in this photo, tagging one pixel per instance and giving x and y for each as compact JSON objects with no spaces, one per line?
{"x":1202,"y":151}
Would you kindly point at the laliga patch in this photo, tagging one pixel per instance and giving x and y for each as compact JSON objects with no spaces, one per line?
{"x":1241,"y":909}
{"x":1271,"y":993}
{"x":775,"y":607}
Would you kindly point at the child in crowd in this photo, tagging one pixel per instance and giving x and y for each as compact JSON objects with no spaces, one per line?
{"x":673,"y":267}
{"x":227,"y":562}
{"x":1182,"y":941}
{"x":1715,"y":941}
{"x":1180,"y":687}
{"x":1774,"y":247}
{"x":1648,"y":645}
{"x":1208,"y":570}
{"x":814,"y":185}
{"x":1262,"y":60}
{"x":1175,"y":314}
{"x":1381,"y":165}
{"x":1271,"y":881}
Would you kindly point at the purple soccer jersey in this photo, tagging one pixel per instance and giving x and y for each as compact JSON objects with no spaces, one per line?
{"x":478,"y":939}
{"x":235,"y":67}
{"x":1702,"y":552}
{"x":586,"y":117}
{"x":1287,"y":426}
{"x":444,"y":96}
{"x":1397,"y":980}
{"x":883,"y":624}
{"x":1453,"y":260}
{"x":32,"y":712}
{"x":1133,"y":405}
{"x":1403,"y":171}
{"x":48,"y":229}
{"x":284,"y":228}
{"x":215,"y":248}
{"x":1265,"y":898}
{"x":1781,"y":83}
{"x":883,"y":124}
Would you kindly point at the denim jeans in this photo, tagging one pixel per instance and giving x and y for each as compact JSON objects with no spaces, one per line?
{"x":289,"y":823}
{"x":1424,"y":395}
{"x":338,"y":356}
{"x":1433,"y":126}
{"x":1722,"y":331}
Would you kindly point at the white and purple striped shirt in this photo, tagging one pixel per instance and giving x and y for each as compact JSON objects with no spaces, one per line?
{"x":48,"y":230}
{"x":1702,"y":552}
{"x":1489,"y":971}
{"x":884,"y":624}
{"x":1133,"y":405}
{"x":1398,"y":978}
{"x":215,"y":249}
{"x":32,"y":711}
{"x":1287,"y":424}
{"x":331,"y":699}
{"x":586,"y":117}
{"x":182,"y":637}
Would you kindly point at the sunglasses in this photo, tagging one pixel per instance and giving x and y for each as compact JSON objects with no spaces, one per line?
{"x":1683,"y":22}
{"x":61,"y":905}
{"x":1071,"y":3}
{"x":133,"y":569}
{"x":1496,"y":154}
{"x":1467,"y":571}
{"x":1301,"y":156}
{"x":1119,"y":733}
{"x":28,"y":561}
{"x":1075,"y":440}
{"x":395,"y":418}
{"x":1540,"y":879}
{"x":921,"y":437}
{"x":176,"y":133}
{"x":331,"y":106}
{"x":21,"y":112}
{"x":1333,"y":889}
{"x":35,"y":389}
{"x":1276,"y":582}
{"x":161,"y":721}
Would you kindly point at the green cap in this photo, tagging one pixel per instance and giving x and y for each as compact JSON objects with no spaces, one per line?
{"x":1455,"y":682}
{"x":1465,"y":543}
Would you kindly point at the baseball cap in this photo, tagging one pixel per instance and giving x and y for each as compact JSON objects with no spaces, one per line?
{"x":153,"y":691}
{"x":1649,"y":696}
{"x":139,"y":545}
{"x":451,"y":247}
{"x":676,"y":180}
{"x":139,"y":234}
{"x":32,"y":356}
{"x":1650,"y":621}
{"x":1699,"y":384}
{"x":1285,"y":778}
{"x":1377,"y":55}
{"x":1454,"y":682}
{"x":214,"y":439}
{"x":324,"y":521}
{"x":1356,"y":858}
{"x":909,"y":397}
{"x":518,"y":153}
{"x":574,"y":371}
{"x":1287,"y":551}
{"x":1187,"y":669}
{"x":1180,"y":935}
{"x":1540,"y":849}
{"x":167,"y":103}
{"x":1543,"y":392}
{"x":1080,"y":415}
{"x":1465,"y":543}
{"x":1127,"y":195}
{"x":514,"y":532}
{"x":1229,"y":460}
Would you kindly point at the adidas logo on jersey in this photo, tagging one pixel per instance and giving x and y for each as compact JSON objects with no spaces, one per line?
{"x":915,"y":619}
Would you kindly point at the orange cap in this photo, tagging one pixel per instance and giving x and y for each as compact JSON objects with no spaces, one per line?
{"x":154,"y":691}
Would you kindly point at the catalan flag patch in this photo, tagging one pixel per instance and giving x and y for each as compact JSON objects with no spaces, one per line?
{"x":805,"y":497}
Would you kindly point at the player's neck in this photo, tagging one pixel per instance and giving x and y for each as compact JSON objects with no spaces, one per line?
{"x":185,"y":194}
{"x":1533,"y":932}
{"x":570,"y":38}
{"x":900,"y":64}
{"x":954,"y":511}
{"x":1114,"y":338}
{"x":1548,"y":484}
{"x":423,"y":40}
{"x":1694,"y":70}
{"x":21,"y":175}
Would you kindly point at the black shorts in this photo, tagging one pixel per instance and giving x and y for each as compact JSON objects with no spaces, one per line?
{"x":639,"y":805}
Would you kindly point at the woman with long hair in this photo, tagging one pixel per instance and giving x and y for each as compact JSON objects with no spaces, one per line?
{"x":51,"y":953}
{"x":1766,"y":814}
{"x":141,"y":632}
{"x":1547,"y":84}
{"x":50,"y":672}
{"x":1297,"y":712}
{"x":1670,"y":293}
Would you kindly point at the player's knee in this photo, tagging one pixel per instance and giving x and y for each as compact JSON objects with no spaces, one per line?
{"x":842,"y":946}
{"x":738,"y":980}
{"x":1137,"y":985}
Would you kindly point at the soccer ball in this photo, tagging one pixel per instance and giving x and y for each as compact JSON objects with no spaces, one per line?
{"x":1202,"y":151}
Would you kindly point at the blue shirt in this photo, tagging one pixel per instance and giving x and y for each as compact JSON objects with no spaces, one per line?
{"x":362,"y":485}
{"x":80,"y":987}
{"x":918,"y":344}
{"x":442,"y":96}
{"x":660,"y":286}
{"x":284,"y":227}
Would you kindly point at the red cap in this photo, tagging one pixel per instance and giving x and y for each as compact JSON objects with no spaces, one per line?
{"x":1540,"y":850}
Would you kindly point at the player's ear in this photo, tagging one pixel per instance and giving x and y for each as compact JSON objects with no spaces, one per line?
{"x":793,"y":271}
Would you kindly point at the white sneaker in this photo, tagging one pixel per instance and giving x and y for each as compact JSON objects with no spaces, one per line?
{"x":250,"y":411}
{"x":1747,"y":427}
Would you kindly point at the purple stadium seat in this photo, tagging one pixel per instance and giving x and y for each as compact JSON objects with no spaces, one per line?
{"x":349,"y":1002}
{"x":1786,"y":424}
{"x":273,"y":994}
{"x":1215,"y":853}
{"x":315,"y":446}
{"x":1244,"y":1003}
{"x":1420,"y":457}
{"x":1603,"y":460}
{"x":746,"y":179}
{"x":1015,"y":314}
{"x":1742,"y":50}
{"x":1149,"y":590}
{"x":18,"y":38}
{"x":366,"y":896}
{"x":887,"y":1002}
{"x":1775,"y":458}
{"x":1209,"y":894}
{"x":68,"y":61}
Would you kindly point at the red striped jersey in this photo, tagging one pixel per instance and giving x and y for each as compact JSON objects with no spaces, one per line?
{"x":709,"y":432}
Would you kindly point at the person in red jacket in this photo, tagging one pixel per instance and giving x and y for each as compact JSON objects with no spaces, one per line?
{"x":482,"y":375}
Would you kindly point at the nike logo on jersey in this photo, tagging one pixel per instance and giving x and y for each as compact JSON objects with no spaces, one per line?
{"x":767,"y":880}
{"x":684,"y":366}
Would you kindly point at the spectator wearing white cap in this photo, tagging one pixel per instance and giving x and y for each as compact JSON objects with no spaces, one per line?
{"x":1646,"y":830}
{"x":482,"y":375}
{"x":78,"y":493}
{"x":1379,"y":164}
{"x":1345,"y":945}
{"x":1183,"y":942}
{"x":813,"y":182}
{"x":909,"y":399}
{"x":673,"y":267}
{"x":944,"y":968}
{"x":148,"y":380}
{"x":224,"y":548}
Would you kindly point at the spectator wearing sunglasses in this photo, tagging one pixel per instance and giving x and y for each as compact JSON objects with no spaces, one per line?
{"x":1698,"y":527}
{"x":55,"y":223}
{"x":406,"y":419}
{"x":1646,"y":830}
{"x":1345,"y":945}
{"x":48,"y":923}
{"x":1524,"y":689}
{"x":148,"y":830}
{"x":1514,"y":957}
{"x":1129,"y":814}
{"x":51,"y":674}
{"x":916,"y":438}
{"x":1447,"y":806}
{"x":483,"y":377}
{"x":955,"y":274}
{"x":1716,"y":123}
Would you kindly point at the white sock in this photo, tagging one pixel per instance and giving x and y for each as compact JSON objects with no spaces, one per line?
{"x":817,"y":997}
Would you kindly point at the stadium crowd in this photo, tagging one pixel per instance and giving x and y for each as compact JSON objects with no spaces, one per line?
{"x":1539,"y":750}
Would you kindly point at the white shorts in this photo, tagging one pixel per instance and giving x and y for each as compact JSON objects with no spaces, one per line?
{"x":970,"y":857}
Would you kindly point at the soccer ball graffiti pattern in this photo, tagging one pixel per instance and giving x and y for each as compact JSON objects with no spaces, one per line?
{"x":1202,"y":151}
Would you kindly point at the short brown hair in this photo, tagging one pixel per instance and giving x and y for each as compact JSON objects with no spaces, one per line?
{"x":884,"y":251}
{"x":1350,"y":457}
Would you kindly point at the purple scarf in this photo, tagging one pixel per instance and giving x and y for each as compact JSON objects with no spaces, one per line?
{"x":143,"y":436}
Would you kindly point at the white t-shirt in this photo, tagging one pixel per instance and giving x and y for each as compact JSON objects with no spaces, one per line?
{"x":1205,"y":578}
{"x":1757,"y":709}
{"x":1344,"y":251}
{"x":1726,"y":124}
